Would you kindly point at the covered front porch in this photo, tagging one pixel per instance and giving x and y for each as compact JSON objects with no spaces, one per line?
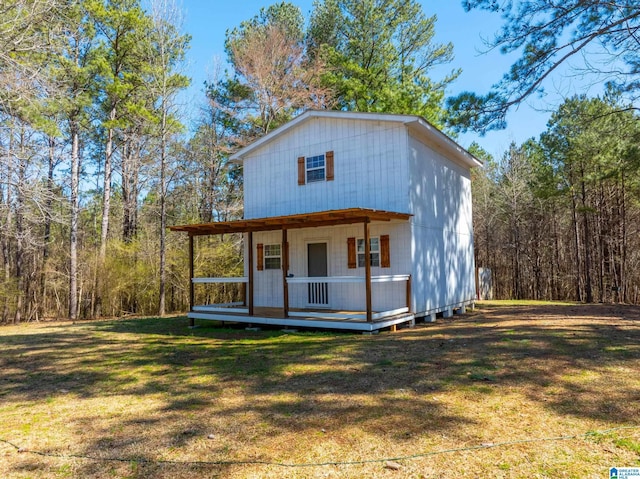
{"x":289,"y":310}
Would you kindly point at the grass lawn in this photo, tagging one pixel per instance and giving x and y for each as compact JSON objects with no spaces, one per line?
{"x":511,"y":390}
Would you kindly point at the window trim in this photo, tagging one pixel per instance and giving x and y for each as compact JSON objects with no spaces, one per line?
{"x":372,"y":252}
{"x":322,"y":168}
{"x":268,"y":255}
{"x":303,"y":171}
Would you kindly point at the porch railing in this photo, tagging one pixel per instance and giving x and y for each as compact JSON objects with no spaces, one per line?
{"x":391,"y":278}
{"x":241,"y":307}
{"x":234,"y":307}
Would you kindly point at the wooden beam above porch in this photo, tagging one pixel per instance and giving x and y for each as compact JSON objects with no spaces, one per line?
{"x":304,"y":220}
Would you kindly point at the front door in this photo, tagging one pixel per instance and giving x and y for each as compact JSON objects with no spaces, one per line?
{"x":317,"y":267}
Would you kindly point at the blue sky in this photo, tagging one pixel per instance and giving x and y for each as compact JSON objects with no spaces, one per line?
{"x":207,"y":20}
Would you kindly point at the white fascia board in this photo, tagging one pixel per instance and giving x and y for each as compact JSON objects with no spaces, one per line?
{"x":421,"y":126}
{"x":238,"y":156}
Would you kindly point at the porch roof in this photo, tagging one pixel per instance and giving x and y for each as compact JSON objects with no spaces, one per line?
{"x":303,"y":220}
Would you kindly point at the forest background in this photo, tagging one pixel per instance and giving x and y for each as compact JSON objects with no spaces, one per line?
{"x":96,"y":161}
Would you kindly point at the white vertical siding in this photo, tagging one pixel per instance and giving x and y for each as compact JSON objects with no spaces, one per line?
{"x":442,"y":229}
{"x":342,"y":296}
{"x":379,"y":165}
{"x":369,"y":163}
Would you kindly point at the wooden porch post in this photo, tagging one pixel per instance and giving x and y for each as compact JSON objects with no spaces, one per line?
{"x":409,"y":293}
{"x":250,"y":270}
{"x":285,"y":271}
{"x":192,"y":321}
{"x":367,"y":270}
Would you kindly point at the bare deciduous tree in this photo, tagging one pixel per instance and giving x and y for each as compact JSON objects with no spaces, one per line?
{"x":281,"y":77}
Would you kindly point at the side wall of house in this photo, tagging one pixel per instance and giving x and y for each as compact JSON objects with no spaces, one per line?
{"x":342,"y":296}
{"x":442,"y":229}
{"x":370,"y":169}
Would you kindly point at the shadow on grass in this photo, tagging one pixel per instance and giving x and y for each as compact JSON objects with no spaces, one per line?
{"x":298,"y":383}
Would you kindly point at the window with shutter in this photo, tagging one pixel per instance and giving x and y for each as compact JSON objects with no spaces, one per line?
{"x":317,"y":168}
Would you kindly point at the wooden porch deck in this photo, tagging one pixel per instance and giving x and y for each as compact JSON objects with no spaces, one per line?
{"x":319,"y":319}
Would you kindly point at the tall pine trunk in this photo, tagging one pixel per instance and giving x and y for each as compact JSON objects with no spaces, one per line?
{"x":163,"y":210}
{"x":20,"y":247}
{"x":7,"y":222}
{"x":588,"y":291}
{"x":576,"y":239}
{"x":106,"y":210}
{"x":130,"y":172}
{"x":73,"y":223}
{"x":41,"y":304}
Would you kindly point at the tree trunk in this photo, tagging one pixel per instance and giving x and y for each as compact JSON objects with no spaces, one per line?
{"x":130,"y":172}
{"x":163,"y":211}
{"x":41,"y":305}
{"x":576,"y":237}
{"x":106,"y":209}
{"x":622,"y":242}
{"x":73,"y":224}
{"x":7,"y":224}
{"x":555,"y":289}
{"x":587,"y":241}
{"x":20,"y":229}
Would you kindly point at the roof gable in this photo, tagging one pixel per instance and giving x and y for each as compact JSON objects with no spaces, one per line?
{"x":414,"y":123}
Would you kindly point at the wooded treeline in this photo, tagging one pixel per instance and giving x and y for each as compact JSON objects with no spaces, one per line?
{"x":88,"y":145}
{"x":559,"y":216}
{"x":98,"y":156}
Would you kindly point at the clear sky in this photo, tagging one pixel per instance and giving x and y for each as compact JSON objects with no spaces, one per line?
{"x":207,"y":20}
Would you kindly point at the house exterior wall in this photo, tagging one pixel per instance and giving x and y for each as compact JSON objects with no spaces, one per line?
{"x":441,"y":229}
{"x":370,"y":168}
{"x":380,"y":165}
{"x":342,"y":296}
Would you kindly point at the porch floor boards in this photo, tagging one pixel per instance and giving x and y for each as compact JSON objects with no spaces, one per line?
{"x":275,"y":317}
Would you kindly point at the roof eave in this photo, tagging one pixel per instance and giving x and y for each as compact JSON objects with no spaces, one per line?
{"x":445,"y":142}
{"x":297,"y":221}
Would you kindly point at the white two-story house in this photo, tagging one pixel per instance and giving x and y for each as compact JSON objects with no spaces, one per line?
{"x":357,"y":221}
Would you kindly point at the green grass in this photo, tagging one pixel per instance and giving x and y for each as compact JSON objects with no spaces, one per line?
{"x":151,"y":390}
{"x":630,"y":444}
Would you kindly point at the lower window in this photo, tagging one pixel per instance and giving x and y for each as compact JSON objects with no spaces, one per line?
{"x":374,"y":250}
{"x":272,"y":256}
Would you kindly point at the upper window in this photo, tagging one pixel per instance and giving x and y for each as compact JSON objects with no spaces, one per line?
{"x":315,"y":168}
{"x":374,"y":252}
{"x":272,"y":256}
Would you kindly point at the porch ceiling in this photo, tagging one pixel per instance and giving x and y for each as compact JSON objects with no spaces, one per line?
{"x":304,"y":220}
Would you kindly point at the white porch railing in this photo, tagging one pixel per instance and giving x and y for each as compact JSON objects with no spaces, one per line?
{"x":239,"y":307}
{"x":352,"y":279}
{"x":234,"y":307}
{"x":239,"y":279}
{"x":348,"y":279}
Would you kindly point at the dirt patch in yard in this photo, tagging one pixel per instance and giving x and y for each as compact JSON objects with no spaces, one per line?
{"x":510,"y":390}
